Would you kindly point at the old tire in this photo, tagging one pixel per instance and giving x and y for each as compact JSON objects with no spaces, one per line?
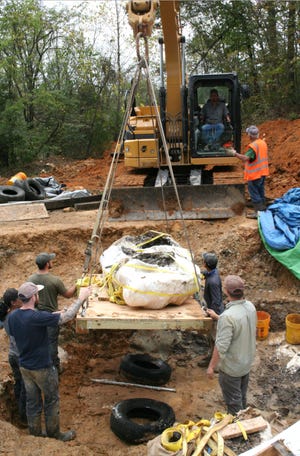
{"x":9,"y":193}
{"x":33,"y":190}
{"x":142,"y":368}
{"x":159,"y":415}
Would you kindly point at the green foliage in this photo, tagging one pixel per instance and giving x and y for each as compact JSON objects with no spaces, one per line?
{"x":60,"y":94}
{"x":258,"y":40}
{"x":57,"y":88}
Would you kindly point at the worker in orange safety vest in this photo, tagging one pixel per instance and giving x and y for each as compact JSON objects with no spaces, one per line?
{"x":256,"y":169}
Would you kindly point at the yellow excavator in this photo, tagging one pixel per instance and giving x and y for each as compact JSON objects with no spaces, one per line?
{"x":165,"y":140}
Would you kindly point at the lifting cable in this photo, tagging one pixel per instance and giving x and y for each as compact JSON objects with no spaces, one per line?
{"x":94,"y":246}
{"x":166,"y":150}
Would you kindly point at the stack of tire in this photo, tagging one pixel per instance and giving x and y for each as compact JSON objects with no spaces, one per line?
{"x":22,"y":190}
{"x":127,"y":415}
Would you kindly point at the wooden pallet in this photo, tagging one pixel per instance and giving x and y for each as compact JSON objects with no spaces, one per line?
{"x":103,"y":314}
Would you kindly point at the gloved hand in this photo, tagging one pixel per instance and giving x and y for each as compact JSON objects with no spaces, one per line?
{"x":229,"y":126}
{"x":230,"y":152}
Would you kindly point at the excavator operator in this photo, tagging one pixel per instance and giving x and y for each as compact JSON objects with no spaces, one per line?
{"x":212,"y":117}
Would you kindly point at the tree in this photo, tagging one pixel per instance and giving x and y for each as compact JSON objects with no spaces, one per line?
{"x":27,"y":35}
{"x":257,"y":39}
{"x":58,"y":89}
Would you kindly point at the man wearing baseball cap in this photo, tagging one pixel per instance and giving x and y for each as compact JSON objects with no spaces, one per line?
{"x":256,"y":169}
{"x":235,"y":345}
{"x":53,"y":287}
{"x":29,"y":328}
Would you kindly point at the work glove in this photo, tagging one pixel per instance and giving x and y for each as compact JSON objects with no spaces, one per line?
{"x":230,"y":152}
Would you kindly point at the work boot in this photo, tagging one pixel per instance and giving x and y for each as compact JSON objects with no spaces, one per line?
{"x":53,"y":430}
{"x":252,"y":215}
{"x":260,"y":206}
{"x":66,"y":436}
{"x":35,"y":425}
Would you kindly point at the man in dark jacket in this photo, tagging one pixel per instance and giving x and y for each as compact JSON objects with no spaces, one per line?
{"x":213,"y":285}
{"x":213,"y":297}
{"x":29,"y":328}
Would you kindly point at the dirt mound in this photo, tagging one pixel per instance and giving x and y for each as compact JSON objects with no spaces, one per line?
{"x":283,"y":140}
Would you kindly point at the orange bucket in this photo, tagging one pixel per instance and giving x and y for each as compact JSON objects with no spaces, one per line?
{"x":262,"y":324}
{"x":18,"y":176}
{"x":292,"y":335}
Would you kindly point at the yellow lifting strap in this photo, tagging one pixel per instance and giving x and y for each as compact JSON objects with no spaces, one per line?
{"x":177,"y":437}
{"x":242,"y":429}
{"x":158,"y":236}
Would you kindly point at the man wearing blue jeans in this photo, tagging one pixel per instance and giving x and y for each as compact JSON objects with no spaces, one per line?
{"x":235,"y":345}
{"x":29,"y":328}
{"x":256,"y":169}
{"x":213,"y":114}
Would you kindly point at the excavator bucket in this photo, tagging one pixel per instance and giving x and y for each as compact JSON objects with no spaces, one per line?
{"x":161,"y":203}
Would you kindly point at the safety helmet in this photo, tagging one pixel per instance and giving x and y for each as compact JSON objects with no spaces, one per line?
{"x":210,"y":259}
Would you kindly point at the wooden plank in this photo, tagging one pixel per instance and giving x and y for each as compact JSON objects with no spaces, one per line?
{"x":12,"y":212}
{"x":251,"y":425}
{"x":270,"y":451}
{"x":276,"y":449}
{"x":102,"y":314}
{"x":282,"y":449}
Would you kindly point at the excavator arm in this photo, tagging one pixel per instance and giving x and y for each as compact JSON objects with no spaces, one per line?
{"x":141,"y":17}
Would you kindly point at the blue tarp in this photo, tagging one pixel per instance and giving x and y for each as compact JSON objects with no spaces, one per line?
{"x":279,"y":228}
{"x":280,"y":224}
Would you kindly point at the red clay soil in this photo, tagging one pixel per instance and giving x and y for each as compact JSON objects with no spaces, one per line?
{"x":282,"y":136}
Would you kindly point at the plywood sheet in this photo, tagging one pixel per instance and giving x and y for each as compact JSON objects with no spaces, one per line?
{"x":102,"y":314}
{"x":22,"y":211}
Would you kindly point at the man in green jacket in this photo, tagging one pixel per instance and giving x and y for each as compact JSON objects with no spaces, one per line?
{"x":53,"y":287}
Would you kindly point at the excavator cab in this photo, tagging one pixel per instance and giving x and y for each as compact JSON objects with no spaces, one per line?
{"x":229,"y":92}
